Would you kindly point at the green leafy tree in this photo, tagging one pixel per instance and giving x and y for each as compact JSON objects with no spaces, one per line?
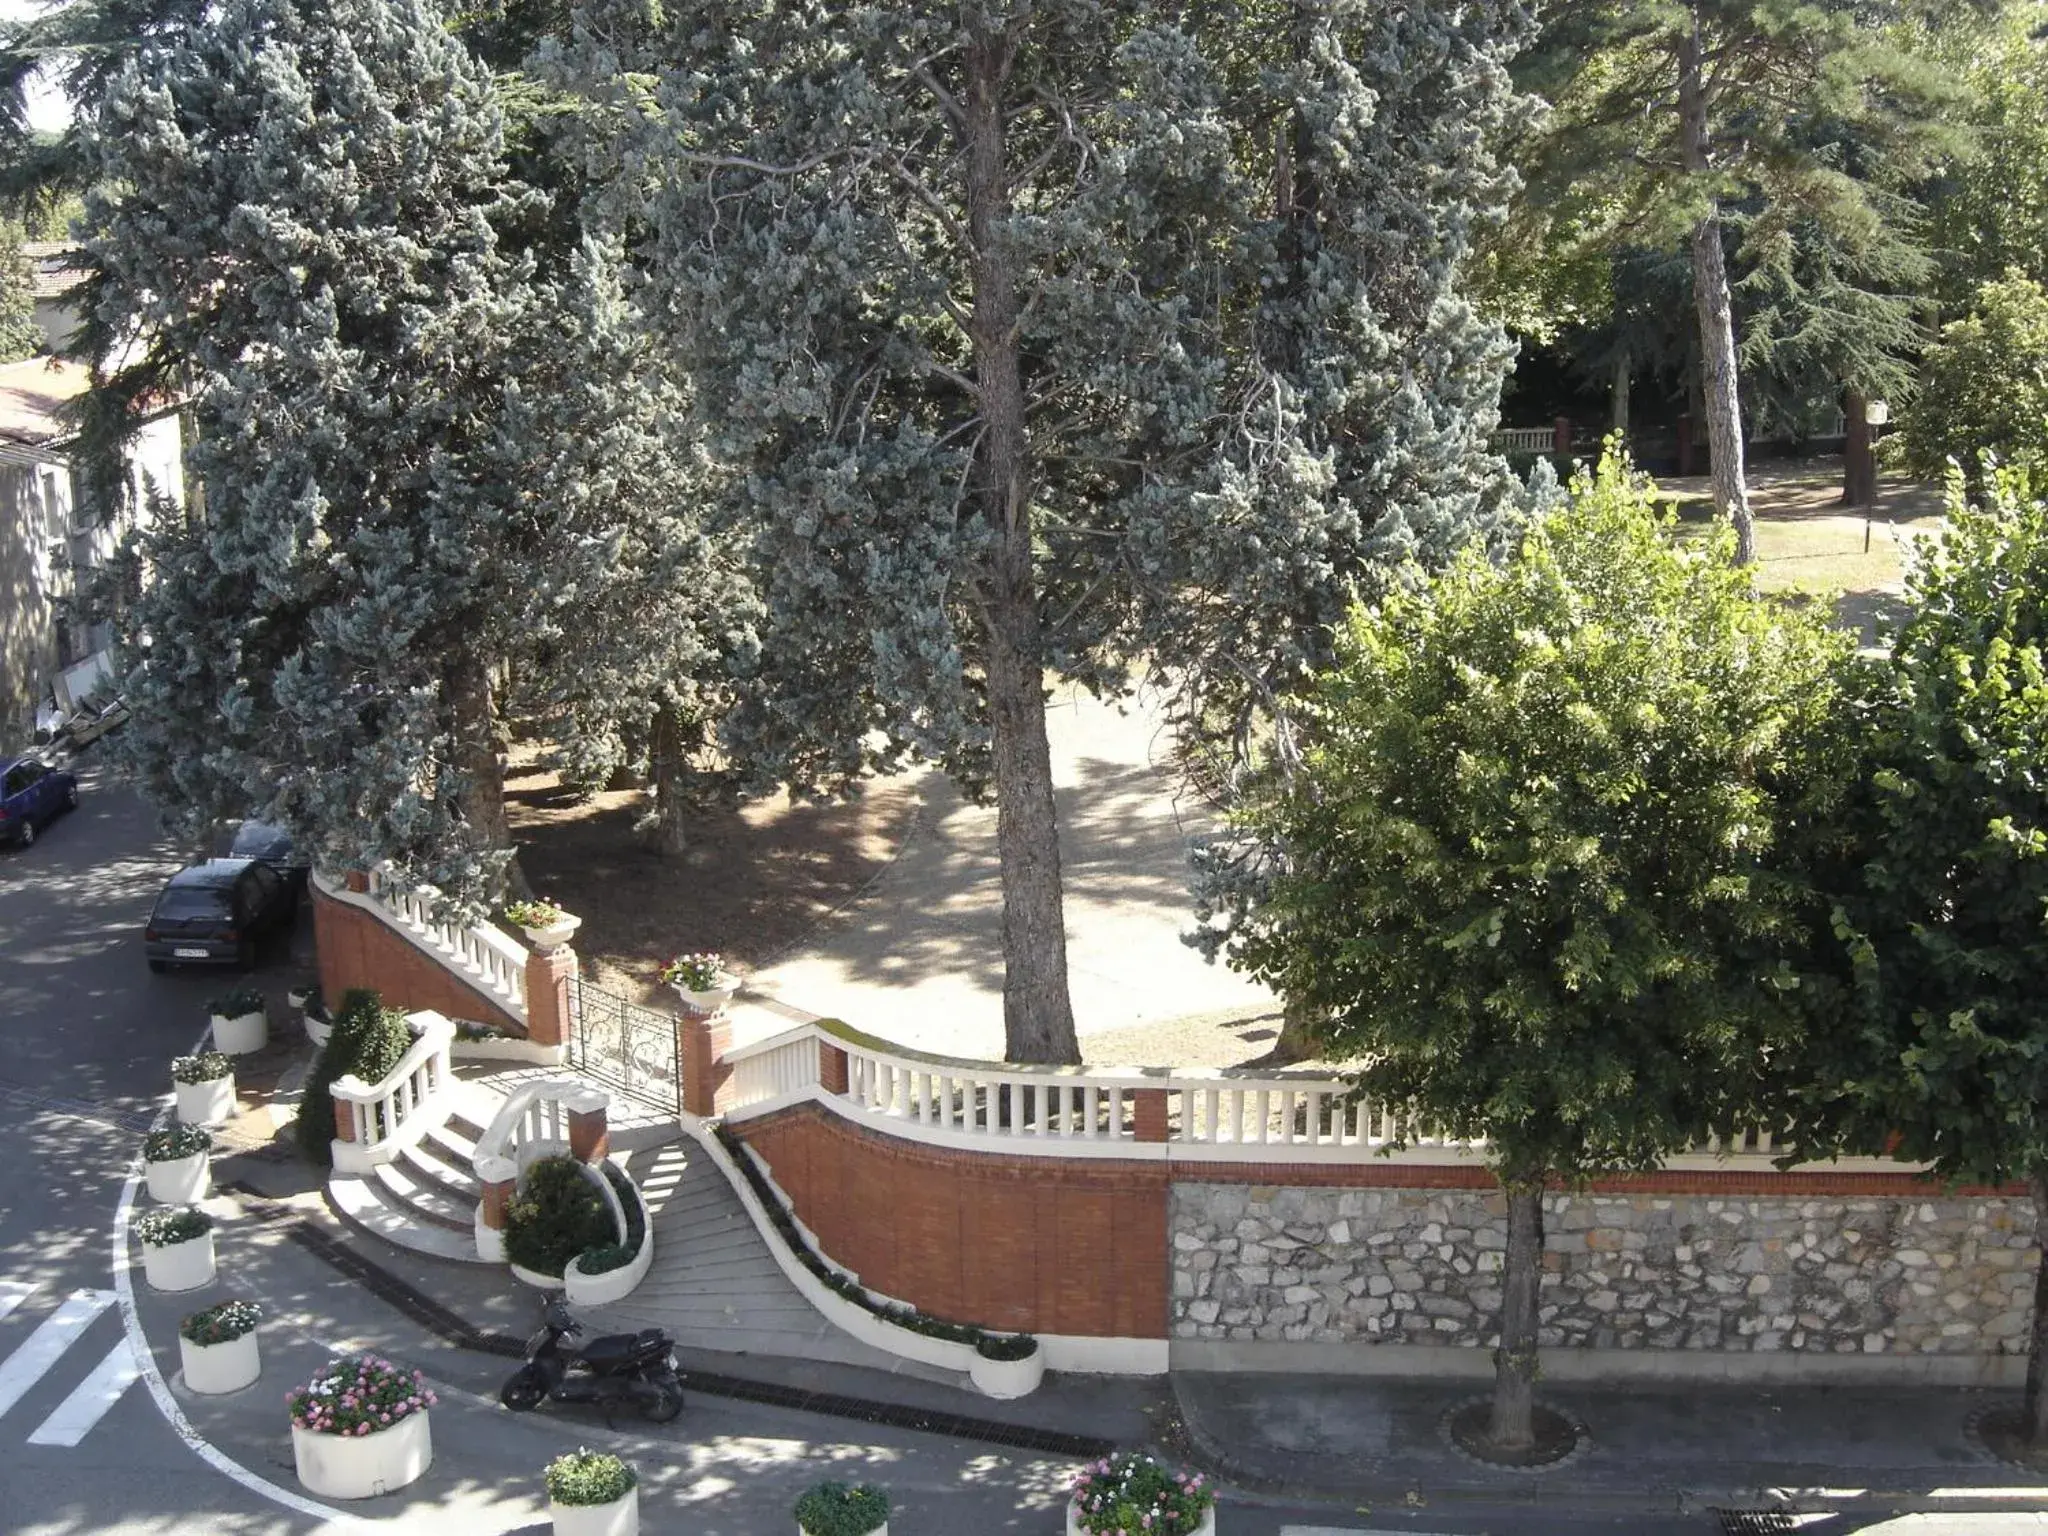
{"x":1531,"y":875}
{"x":1984,"y":385}
{"x":1037,"y":336}
{"x":1941,"y":1052}
{"x":20,"y":336}
{"x":1989,"y":206}
{"x":295,"y":217}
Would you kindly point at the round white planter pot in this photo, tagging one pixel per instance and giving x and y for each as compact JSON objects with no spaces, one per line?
{"x":708,"y":999}
{"x":317,"y":1030}
{"x":207,"y":1103}
{"x":1008,"y":1378}
{"x":621,"y":1517}
{"x":362,"y":1466}
{"x":1075,"y":1528}
{"x":179,"y":1180}
{"x":182,"y":1266}
{"x":216,"y":1368}
{"x":242,"y":1034}
{"x":551,"y":938}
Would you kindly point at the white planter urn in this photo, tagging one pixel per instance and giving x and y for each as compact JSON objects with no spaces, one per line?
{"x":1008,"y":1378}
{"x":207,"y":1103}
{"x":180,"y":1180}
{"x":182,"y":1266}
{"x":363,"y":1466}
{"x":317,"y":1030}
{"x":216,"y":1368}
{"x":244,"y":1033}
{"x":621,"y":1517}
{"x":1075,"y":1528}
{"x":708,"y":999}
{"x":551,"y":938}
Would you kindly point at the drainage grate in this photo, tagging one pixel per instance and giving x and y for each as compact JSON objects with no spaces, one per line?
{"x":1754,"y":1522}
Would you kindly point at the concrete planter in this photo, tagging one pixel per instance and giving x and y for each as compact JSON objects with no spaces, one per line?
{"x":182,"y":1266}
{"x":708,"y":999}
{"x":551,"y":938}
{"x":362,"y":1466}
{"x":213,"y":1369}
{"x":207,"y":1103}
{"x":1076,"y":1528}
{"x":1008,"y":1378}
{"x":180,"y":1180}
{"x":244,"y":1033}
{"x":621,"y":1517}
{"x":317,"y":1029}
{"x":535,"y":1278}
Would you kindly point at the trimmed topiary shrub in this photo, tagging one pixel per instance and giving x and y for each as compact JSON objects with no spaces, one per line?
{"x":368,"y":1041}
{"x":833,"y":1509}
{"x":557,"y":1214}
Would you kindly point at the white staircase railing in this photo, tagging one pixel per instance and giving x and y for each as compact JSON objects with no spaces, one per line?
{"x":489,"y":957}
{"x":531,"y":1124}
{"x":386,"y":1117}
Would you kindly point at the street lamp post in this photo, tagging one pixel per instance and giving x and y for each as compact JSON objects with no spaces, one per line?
{"x":1876,"y":413}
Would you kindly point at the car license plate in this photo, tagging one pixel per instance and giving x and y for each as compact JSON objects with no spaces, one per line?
{"x":189,"y":954}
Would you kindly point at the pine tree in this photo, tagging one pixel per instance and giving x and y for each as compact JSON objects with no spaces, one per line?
{"x":1047,"y":336}
{"x":298,"y":213}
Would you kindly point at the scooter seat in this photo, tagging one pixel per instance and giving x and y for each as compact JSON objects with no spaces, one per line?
{"x":617,"y":1348}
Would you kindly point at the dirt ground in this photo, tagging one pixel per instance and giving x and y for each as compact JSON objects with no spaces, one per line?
{"x":754,"y":881}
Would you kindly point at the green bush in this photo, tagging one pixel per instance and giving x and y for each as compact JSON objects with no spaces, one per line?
{"x":833,"y":1509}
{"x":589,"y":1477}
{"x":206,"y":1067}
{"x":604,"y":1258}
{"x":1984,"y":386}
{"x":232,"y":1005}
{"x":557,"y":1214}
{"x":368,"y":1041}
{"x":178,"y":1141}
{"x":167,"y":1226}
{"x":222,"y":1323}
{"x":1006,"y":1346}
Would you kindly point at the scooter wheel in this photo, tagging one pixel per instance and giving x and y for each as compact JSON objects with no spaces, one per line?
{"x":666,"y":1403}
{"x":525,"y":1390}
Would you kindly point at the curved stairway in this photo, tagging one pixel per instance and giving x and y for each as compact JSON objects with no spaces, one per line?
{"x":426,"y":1199}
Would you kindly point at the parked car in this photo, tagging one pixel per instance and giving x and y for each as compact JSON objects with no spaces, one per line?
{"x":32,"y":795}
{"x":271,"y":844}
{"x":218,"y":913}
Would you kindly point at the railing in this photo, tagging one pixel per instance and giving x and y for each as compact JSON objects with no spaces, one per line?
{"x":386,"y":1117}
{"x":1127,"y":1112}
{"x":490,"y":958}
{"x":532,"y":1123}
{"x":1524,"y":440}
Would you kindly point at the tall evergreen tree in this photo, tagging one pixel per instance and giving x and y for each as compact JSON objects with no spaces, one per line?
{"x":300,"y":212}
{"x":1019,"y":325}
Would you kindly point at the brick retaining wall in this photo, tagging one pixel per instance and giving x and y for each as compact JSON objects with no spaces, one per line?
{"x":358,"y":949}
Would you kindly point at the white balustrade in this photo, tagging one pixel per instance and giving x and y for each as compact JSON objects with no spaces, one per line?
{"x":533,"y":1123}
{"x":1218,"y":1116}
{"x":483,"y":954}
{"x":1524,"y":440}
{"x":392,"y":1114}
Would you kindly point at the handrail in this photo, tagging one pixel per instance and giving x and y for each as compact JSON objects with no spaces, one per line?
{"x":532,"y":1123}
{"x":393,"y":1113}
{"x":482,"y":954}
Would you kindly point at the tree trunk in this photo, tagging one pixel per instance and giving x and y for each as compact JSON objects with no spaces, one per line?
{"x":1716,"y":312}
{"x":2035,"y":1417}
{"x":1038,"y":1015}
{"x":1513,"y":1426}
{"x":1859,"y":464}
{"x":476,"y":757}
{"x":665,"y":764}
{"x":1298,"y":1038}
{"x":1618,"y":396}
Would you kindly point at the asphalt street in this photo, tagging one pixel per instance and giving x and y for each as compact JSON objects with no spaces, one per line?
{"x":85,"y":1447}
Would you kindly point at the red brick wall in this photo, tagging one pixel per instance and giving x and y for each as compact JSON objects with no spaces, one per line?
{"x":358,"y":950}
{"x":1048,"y":1245}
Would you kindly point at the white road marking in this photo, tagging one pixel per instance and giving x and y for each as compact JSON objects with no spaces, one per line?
{"x":26,"y":1366}
{"x":77,"y":1414}
{"x":14,"y":1292}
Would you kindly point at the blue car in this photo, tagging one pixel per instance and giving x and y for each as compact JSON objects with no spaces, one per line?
{"x":32,"y":795}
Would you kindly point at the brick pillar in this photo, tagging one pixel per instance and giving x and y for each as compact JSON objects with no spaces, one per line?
{"x":498,"y":1179}
{"x":1561,"y":435}
{"x":831,"y":1068}
{"x":547,"y":994}
{"x":344,"y":1120}
{"x":357,"y":880}
{"x":497,"y":1195}
{"x":701,"y":1043}
{"x":1148,"y":1114}
{"x":590,"y":1138}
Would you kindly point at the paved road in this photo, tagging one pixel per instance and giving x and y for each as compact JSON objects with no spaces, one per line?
{"x":87,"y":1031}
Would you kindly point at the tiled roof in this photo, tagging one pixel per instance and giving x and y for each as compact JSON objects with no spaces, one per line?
{"x":54,"y":267}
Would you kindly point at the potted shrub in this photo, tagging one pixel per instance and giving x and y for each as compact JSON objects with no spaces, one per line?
{"x":1007,"y":1364}
{"x":591,"y":1493}
{"x":833,"y":1509}
{"x":312,"y":1013}
{"x":177,"y":1248}
{"x":546,"y":926}
{"x":701,"y":981}
{"x":239,"y":1024}
{"x":205,"y":1085}
{"x":557,"y":1213}
{"x":360,"y":1428}
{"x":1133,"y":1491}
{"x":174,"y":1161}
{"x":218,"y":1347}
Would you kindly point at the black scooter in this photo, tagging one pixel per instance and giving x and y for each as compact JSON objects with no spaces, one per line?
{"x":637,"y":1368}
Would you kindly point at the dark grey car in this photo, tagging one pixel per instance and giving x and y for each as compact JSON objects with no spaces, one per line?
{"x":272,"y":844}
{"x":218,"y":913}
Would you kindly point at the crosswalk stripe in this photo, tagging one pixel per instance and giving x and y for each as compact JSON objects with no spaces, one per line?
{"x":25,"y":1367}
{"x":93,"y":1397}
{"x":14,"y":1292}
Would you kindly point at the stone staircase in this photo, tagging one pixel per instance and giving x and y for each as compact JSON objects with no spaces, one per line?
{"x":426,"y":1200}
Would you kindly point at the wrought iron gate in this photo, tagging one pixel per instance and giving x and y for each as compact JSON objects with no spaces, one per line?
{"x":628,"y":1048}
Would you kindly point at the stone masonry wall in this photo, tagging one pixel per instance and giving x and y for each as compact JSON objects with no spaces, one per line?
{"x":1845,"y":1275}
